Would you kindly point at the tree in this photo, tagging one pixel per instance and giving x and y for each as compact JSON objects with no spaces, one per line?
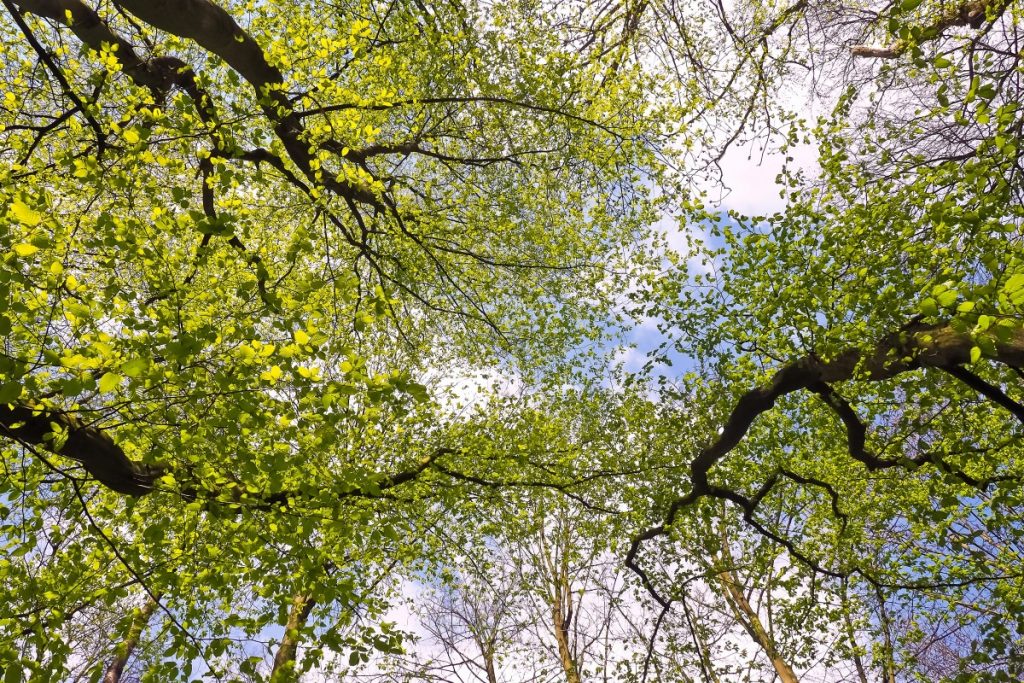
{"x":239,"y":240}
{"x":542,"y":598}
{"x":471,"y":622}
{"x":864,"y":346}
{"x":245,"y":242}
{"x":571,"y":580}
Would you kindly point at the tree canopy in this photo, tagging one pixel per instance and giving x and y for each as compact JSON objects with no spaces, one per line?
{"x":311,"y":315}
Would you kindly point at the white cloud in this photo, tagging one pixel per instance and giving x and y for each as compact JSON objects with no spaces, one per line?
{"x":749,"y":177}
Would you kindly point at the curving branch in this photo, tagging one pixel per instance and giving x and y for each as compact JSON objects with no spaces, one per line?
{"x":160,"y":74}
{"x":210,"y":26}
{"x":917,"y":346}
{"x":66,"y":435}
{"x":38,"y":426}
{"x":856,"y":431}
{"x":201,"y":21}
{"x":90,"y":28}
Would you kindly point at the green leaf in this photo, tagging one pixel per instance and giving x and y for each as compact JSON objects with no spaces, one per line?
{"x":25,"y":214}
{"x":134,"y":367}
{"x":109,"y":381}
{"x":417,"y":391}
{"x":13,"y":673}
{"x":72,"y":387}
{"x":1014,"y":283}
{"x":975,"y":354}
{"x":9,"y":392}
{"x":947,"y":298}
{"x":25,"y":249}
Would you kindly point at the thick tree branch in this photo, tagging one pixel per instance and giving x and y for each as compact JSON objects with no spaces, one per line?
{"x":214,"y":29}
{"x":87,"y":25}
{"x":915,"y":347}
{"x":107,"y":463}
{"x":989,"y":391}
{"x":93,"y":448}
{"x":160,"y":74}
{"x":974,"y":13}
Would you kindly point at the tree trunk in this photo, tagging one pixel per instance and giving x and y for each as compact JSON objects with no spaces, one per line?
{"x":284,"y":660}
{"x":747,"y":616}
{"x":888,"y":662}
{"x":555,"y":561}
{"x":128,"y":645}
{"x":561,"y":613}
{"x":492,"y":676}
{"x":564,"y":649}
{"x":851,"y":635}
{"x":745,"y":613}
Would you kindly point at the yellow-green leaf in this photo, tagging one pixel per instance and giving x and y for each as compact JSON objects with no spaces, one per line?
{"x":134,"y":367}
{"x":110,"y":381}
{"x":25,"y":214}
{"x":947,"y":298}
{"x":1014,"y":283}
{"x":25,"y":249}
{"x":271,"y":375}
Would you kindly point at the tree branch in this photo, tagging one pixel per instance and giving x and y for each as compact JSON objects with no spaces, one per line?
{"x":989,"y":391}
{"x":93,"y":448}
{"x":101,"y":135}
{"x":215,"y":30}
{"x":916,"y":346}
{"x":973,"y":13}
{"x":107,"y":463}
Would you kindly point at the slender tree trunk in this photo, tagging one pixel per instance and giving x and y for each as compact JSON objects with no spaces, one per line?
{"x":492,"y":676}
{"x":562,"y":615}
{"x":284,"y":660}
{"x":553,"y":560}
{"x":701,"y":647}
{"x":888,"y":663}
{"x":486,"y":645}
{"x":851,"y":634}
{"x":128,"y":645}
{"x":747,"y":616}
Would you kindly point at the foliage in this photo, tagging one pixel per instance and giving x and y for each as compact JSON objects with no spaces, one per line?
{"x":251,"y":251}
